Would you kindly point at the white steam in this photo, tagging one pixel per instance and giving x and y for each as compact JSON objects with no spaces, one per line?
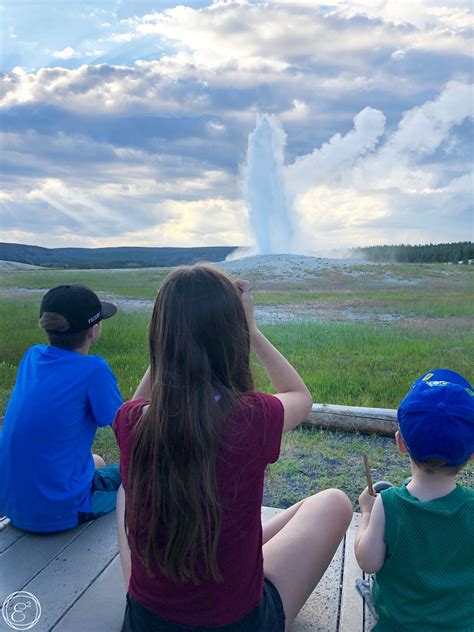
{"x":264,"y":189}
{"x":351,"y":189}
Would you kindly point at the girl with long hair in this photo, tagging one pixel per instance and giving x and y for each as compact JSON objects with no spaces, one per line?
{"x":195,"y":441}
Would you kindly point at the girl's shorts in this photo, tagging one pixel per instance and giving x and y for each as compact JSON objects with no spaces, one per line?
{"x":268,"y":616}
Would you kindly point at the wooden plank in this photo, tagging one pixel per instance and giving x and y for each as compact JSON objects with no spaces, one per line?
{"x":107,"y":595}
{"x":369,"y":619}
{"x":101,"y":607}
{"x":353,"y":419}
{"x":8,"y":536}
{"x":352,"y":606}
{"x":28,"y":555}
{"x":269,"y":512}
{"x":319,"y":614}
{"x":69,"y":574}
{"x":82,"y":587}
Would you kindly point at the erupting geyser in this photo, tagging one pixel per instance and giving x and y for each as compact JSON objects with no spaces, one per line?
{"x":264,"y":188}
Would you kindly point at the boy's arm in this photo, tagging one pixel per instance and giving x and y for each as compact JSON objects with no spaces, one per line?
{"x":369,"y":544}
{"x":104,"y":394}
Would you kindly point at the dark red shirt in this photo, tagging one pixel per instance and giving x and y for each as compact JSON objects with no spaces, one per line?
{"x":250,"y":440}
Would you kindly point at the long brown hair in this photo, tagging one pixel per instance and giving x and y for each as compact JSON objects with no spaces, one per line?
{"x":199,"y":357}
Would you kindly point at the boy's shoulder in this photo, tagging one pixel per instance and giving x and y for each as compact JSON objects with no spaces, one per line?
{"x":99,"y":360}
{"x":34,"y":353}
{"x":396,"y":497}
{"x":55,"y":358}
{"x":35,"y":349}
{"x":468,"y":492}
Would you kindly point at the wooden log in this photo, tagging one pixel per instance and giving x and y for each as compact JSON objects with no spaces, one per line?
{"x":353,"y":419}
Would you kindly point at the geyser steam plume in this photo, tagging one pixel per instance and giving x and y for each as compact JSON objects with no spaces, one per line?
{"x":264,"y":189}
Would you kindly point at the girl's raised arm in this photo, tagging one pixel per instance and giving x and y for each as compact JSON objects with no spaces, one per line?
{"x":144,"y":388}
{"x":290,"y":388}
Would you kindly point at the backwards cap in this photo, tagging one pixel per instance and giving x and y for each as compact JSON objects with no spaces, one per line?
{"x":78,"y":304}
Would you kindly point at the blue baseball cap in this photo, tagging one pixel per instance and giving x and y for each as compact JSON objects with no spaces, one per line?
{"x":436,"y":418}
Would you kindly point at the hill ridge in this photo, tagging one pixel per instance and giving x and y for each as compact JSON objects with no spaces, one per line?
{"x":111,"y":257}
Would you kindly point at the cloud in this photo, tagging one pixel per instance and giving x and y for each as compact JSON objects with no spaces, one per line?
{"x":419,"y":133}
{"x":66,"y":53}
{"x":109,"y":193}
{"x":373,"y":96}
{"x":354,"y":186}
{"x":280,"y":33}
{"x":332,"y":160}
{"x":300,"y":111}
{"x":102,"y":89}
{"x":289,"y":49}
{"x":423,"y":128}
{"x":421,"y":13}
{"x":55,"y":211}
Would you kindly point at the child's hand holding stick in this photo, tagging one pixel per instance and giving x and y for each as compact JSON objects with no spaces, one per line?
{"x":367,"y":498}
{"x":368,"y":476}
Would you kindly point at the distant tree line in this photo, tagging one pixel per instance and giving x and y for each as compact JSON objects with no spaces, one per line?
{"x":120,"y":257}
{"x":429,"y":253}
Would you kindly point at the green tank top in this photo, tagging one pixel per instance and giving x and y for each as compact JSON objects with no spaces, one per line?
{"x":427,"y":581}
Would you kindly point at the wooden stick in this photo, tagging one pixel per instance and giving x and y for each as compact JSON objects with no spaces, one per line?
{"x":368,"y":476}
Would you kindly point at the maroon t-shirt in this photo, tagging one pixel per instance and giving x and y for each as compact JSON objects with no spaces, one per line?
{"x":250,"y":440}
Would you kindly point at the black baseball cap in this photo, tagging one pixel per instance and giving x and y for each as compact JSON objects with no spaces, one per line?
{"x":78,"y":304}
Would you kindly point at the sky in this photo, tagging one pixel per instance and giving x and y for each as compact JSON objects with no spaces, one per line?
{"x":126,"y":123}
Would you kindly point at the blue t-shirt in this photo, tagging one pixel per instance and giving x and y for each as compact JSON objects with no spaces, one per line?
{"x":46,"y":467}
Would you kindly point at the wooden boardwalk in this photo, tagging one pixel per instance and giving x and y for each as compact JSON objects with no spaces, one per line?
{"x":77,"y":579}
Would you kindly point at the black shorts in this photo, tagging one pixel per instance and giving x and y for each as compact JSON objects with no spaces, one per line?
{"x":268,"y":616}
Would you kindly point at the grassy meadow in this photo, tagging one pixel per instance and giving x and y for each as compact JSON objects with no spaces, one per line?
{"x":362,"y":361}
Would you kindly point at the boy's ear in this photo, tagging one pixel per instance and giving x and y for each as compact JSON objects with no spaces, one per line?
{"x":400,"y":443}
{"x":94,"y":331}
{"x":471,"y":458}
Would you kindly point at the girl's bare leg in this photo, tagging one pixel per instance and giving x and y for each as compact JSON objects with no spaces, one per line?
{"x":98,"y":461}
{"x":300,"y":547}
{"x":125,"y":558}
{"x":274,"y":525}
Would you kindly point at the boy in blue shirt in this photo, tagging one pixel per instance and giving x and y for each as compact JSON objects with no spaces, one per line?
{"x":49,"y":480}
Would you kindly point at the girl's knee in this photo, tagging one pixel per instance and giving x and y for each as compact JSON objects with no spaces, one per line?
{"x":335,"y":502}
{"x":341,"y":503}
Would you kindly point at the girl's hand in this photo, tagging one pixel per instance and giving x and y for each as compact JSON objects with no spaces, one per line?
{"x":247,"y":301}
{"x":366,"y":501}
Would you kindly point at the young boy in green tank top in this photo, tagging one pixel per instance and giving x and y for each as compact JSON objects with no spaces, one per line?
{"x":419,"y":538}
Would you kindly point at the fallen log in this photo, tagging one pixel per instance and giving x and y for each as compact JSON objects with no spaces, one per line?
{"x":353,"y":419}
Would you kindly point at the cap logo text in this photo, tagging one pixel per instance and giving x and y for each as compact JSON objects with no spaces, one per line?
{"x":93,"y":318}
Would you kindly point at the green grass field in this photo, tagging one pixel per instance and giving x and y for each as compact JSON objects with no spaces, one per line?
{"x":360,"y":364}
